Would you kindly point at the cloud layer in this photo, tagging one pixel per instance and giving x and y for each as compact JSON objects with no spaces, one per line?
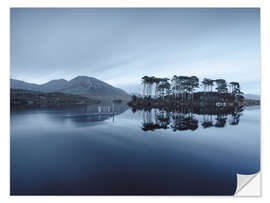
{"x":119,"y":46}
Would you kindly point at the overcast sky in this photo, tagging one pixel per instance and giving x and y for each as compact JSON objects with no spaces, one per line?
{"x":119,"y":46}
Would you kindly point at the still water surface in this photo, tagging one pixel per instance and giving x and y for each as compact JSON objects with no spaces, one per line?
{"x":75,"y":151}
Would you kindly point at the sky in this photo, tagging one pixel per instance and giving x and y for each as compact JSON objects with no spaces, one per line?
{"x":120,"y":46}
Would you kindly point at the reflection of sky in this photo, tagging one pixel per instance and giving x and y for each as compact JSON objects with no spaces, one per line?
{"x":119,"y":46}
{"x":124,"y":157}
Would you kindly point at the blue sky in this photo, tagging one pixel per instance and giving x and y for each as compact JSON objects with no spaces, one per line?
{"x":119,"y":46}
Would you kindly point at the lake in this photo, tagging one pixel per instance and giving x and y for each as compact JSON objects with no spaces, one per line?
{"x":88,"y":151}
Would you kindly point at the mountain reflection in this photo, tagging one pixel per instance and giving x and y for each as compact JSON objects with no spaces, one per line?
{"x":189,"y":118}
{"x":78,"y":115}
{"x":92,"y":115}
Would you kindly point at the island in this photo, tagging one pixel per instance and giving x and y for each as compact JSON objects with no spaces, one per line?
{"x":180,"y":91}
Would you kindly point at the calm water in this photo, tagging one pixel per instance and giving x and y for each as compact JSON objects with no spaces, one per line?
{"x":75,"y":151}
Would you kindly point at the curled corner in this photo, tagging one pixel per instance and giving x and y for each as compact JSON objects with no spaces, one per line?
{"x":248,"y":185}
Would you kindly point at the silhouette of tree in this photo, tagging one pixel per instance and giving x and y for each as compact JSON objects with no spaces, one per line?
{"x":221,"y":86}
{"x":181,"y":90}
{"x":205,"y":84}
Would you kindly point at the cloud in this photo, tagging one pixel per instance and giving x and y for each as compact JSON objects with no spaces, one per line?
{"x":119,"y":46}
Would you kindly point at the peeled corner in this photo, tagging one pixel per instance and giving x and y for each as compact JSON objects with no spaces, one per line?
{"x":248,"y":185}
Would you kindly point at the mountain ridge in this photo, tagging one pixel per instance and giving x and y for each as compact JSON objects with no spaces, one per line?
{"x":80,"y":85}
{"x":252,"y":96}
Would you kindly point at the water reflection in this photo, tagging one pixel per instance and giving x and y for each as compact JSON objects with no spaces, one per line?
{"x":181,"y":119}
{"x":99,"y":158}
{"x":80,"y":116}
{"x":189,"y":118}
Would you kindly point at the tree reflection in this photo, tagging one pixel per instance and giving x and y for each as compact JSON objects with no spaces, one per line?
{"x":189,"y":118}
{"x":235,"y":116}
{"x":161,"y":120}
{"x":182,"y":121}
{"x":207,"y":121}
{"x":220,"y":121}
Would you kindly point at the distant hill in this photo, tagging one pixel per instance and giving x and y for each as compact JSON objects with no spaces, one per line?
{"x":19,"y":84}
{"x":252,"y":96}
{"x":81,"y":85}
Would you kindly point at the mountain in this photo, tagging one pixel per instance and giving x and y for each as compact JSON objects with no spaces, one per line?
{"x":54,"y":85}
{"x":252,"y":96}
{"x":94,"y":88}
{"x":19,"y":84}
{"x":81,"y":85}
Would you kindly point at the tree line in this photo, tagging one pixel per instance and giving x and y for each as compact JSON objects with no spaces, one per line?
{"x":183,"y":85}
